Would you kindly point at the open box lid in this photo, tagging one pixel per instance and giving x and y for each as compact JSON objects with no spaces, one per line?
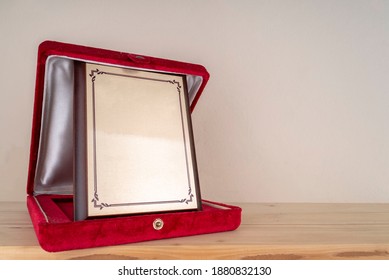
{"x":196,"y":79}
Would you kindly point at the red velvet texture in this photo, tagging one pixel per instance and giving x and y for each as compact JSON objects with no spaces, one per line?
{"x":52,"y":215}
{"x":57,"y":232}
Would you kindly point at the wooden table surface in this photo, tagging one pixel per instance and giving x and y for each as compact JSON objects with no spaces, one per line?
{"x":268,"y":231}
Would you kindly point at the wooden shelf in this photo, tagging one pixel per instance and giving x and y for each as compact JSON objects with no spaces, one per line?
{"x":268,"y":231}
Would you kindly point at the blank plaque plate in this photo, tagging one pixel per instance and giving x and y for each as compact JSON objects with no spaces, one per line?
{"x":134,"y":148}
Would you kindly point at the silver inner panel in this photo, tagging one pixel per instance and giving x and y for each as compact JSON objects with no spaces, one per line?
{"x":54,"y":169}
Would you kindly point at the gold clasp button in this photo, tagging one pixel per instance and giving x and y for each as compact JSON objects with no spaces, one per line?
{"x":158,"y":224}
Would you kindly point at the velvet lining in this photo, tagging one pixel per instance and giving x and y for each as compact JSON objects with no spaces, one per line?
{"x":56,"y":230}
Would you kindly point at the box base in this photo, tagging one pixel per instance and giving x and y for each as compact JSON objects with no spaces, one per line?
{"x":52,"y":217}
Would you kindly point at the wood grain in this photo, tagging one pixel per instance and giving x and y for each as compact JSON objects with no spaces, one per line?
{"x":268,"y":231}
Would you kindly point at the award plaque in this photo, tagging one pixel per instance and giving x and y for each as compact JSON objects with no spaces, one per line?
{"x":134,"y":148}
{"x":112,"y":157}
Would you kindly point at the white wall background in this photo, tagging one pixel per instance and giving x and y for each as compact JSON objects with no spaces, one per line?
{"x":297,"y":108}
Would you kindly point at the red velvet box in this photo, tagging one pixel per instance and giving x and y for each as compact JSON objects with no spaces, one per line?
{"x":51,"y":210}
